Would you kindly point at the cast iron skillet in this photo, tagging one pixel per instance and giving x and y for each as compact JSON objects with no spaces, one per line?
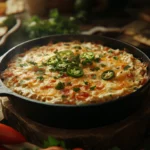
{"x":76,"y":117}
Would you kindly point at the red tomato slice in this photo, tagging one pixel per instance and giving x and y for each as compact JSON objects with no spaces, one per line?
{"x":10,"y":136}
{"x":82,"y":96}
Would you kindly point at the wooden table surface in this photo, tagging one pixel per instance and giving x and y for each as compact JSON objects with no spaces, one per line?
{"x":132,"y":27}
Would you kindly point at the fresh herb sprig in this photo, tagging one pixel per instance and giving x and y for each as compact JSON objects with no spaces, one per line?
{"x":51,"y":141}
{"x":9,"y":22}
{"x":55,"y":24}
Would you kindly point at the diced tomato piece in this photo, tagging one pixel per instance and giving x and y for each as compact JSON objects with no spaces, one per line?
{"x":73,"y":96}
{"x":82,"y":96}
{"x":59,"y":44}
{"x":86,"y":87}
{"x":45,"y":87}
{"x":130,"y":75}
{"x":66,"y":91}
{"x":53,"y":80}
{"x":106,"y":48}
{"x":143,"y":72}
{"x":64,"y":75}
{"x":99,"y":85}
{"x":143,"y":81}
{"x":8,"y":74}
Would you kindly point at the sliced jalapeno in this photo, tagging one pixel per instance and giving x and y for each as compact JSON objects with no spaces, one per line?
{"x":52,"y":60}
{"x":61,"y":66}
{"x":108,"y":74}
{"x":86,"y":58}
{"x":66,"y":55}
{"x":87,"y":55}
{"x":75,"y":71}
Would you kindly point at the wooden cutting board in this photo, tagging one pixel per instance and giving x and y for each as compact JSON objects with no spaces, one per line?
{"x":126,"y":134}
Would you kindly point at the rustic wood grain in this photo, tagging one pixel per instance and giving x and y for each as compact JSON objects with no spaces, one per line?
{"x":125,"y":134}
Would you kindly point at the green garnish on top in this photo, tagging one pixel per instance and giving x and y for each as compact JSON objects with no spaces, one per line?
{"x":87,"y":56}
{"x":86,"y":83}
{"x":108,"y":75}
{"x":126,"y":67}
{"x":60,"y":86}
{"x":52,"y":60}
{"x":65,"y":55}
{"x":92,"y":87}
{"x":76,"y":89}
{"x":115,"y":57}
{"x":55,"y":24}
{"x":41,"y":78}
{"x":75,"y":71}
{"x":32,"y":62}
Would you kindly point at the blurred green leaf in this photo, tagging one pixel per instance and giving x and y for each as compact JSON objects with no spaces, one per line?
{"x":115,"y":148}
{"x":55,"y":24}
{"x":10,"y":21}
{"x":54,"y":13}
{"x":51,"y":141}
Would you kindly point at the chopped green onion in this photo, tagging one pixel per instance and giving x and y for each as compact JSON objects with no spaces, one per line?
{"x":115,"y":57}
{"x":64,"y":96}
{"x":32,"y":62}
{"x":76,"y":89}
{"x":86,"y":83}
{"x":41,"y":78}
{"x":103,"y":65}
{"x":22,"y":65}
{"x":126,"y":67}
{"x":92,"y":87}
{"x":95,"y":69}
{"x":77,"y":47}
{"x":68,"y":83}
{"x":60,"y":86}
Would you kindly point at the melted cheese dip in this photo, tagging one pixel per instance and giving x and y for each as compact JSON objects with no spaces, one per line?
{"x":74,"y":73}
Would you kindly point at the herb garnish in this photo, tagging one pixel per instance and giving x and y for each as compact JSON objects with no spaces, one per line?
{"x":60,"y":86}
{"x":55,"y":24}
{"x":95,"y":69}
{"x":41,"y":78}
{"x":64,"y":96}
{"x":76,"y":89}
{"x":110,"y":51}
{"x":68,"y":83}
{"x":77,"y":47}
{"x":32,"y":62}
{"x":51,"y":141}
{"x":103,"y":65}
{"x":86,"y":83}
{"x":22,"y":65}
{"x":115,"y":57}
{"x":97,"y":58}
{"x":92,"y":87}
{"x":126,"y":67}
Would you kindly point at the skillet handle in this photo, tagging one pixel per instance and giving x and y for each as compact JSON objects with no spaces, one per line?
{"x":4,"y":91}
